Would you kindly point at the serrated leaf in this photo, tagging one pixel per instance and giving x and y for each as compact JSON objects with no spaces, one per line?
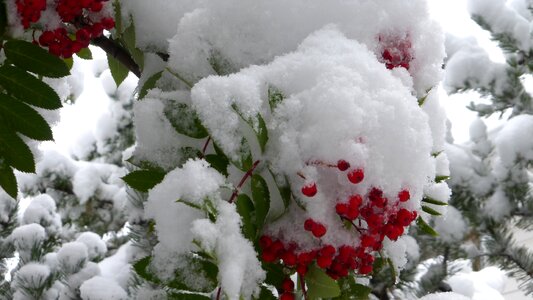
{"x":433,"y":201}
{"x":441,"y":178}
{"x":140,"y":268}
{"x":425,"y":227}
{"x":275,"y":97}
{"x":33,"y":58}
{"x":261,"y":197}
{"x":430,"y":211}
{"x":185,"y":121}
{"x":186,"y":296}
{"x":7,"y":180}
{"x":245,"y":208}
{"x":24,"y":119}
{"x":118,"y":71}
{"x":27,"y":88}
{"x":218,"y":162}
{"x":320,"y":285}
{"x":143,"y":180}
{"x":85,"y":53}
{"x":15,"y":152}
{"x":149,"y":84}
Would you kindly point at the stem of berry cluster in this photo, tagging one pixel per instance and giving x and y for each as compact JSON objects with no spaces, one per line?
{"x":205,"y":146}
{"x":243,"y":180}
{"x":117,"y":52}
{"x":219,"y":292}
{"x":302,"y":285}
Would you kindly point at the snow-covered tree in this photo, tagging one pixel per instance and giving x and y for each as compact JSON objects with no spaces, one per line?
{"x":491,"y":174}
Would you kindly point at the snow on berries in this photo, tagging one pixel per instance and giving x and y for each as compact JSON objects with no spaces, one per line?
{"x":80,"y":21}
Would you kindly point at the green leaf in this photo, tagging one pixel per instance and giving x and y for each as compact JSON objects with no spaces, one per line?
{"x":149,"y":84}
{"x":185,"y":121}
{"x":85,"y":53}
{"x":69,"y":62}
{"x":197,"y":267}
{"x":140,"y":268}
{"x":261,"y":197}
{"x":266,"y":294}
{"x":15,"y":152}
{"x":7,"y":180}
{"x":118,"y":16}
{"x":186,"y":296}
{"x":218,"y":162}
{"x":350,"y":290}
{"x":425,"y":227}
{"x":262,"y":133}
{"x":422,"y":100}
{"x":245,"y":208}
{"x":24,"y":119}
{"x":28,"y":88}
{"x":283,"y":188}
{"x":433,"y":201}
{"x":118,"y":71}
{"x":128,"y":39}
{"x":275,"y":97}
{"x":320,"y":285}
{"x":274,"y":274}
{"x":441,"y":178}
{"x":33,"y":58}
{"x":190,"y":204}
{"x":430,"y":211}
{"x":143,"y":180}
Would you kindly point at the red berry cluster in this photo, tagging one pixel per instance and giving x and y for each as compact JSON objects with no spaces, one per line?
{"x":371,"y":215}
{"x":80,"y":16}
{"x":396,"y":52}
{"x":30,"y":11}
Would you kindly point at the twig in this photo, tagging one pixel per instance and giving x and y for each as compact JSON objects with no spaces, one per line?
{"x":117,"y":52}
{"x":205,"y":146}
{"x":243,"y":180}
{"x":219,"y":292}
{"x":302,"y":285}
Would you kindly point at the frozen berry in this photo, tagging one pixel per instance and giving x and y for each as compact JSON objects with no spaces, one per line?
{"x":356,"y":176}
{"x":343,"y":165}
{"x":309,"y":190}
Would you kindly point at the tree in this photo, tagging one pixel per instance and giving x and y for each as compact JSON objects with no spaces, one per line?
{"x":260,"y":157}
{"x":490,"y":175}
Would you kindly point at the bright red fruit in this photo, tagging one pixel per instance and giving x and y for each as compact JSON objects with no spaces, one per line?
{"x":319,"y":230}
{"x":356,"y":176}
{"x":287,"y":296}
{"x":404,"y":195}
{"x":287,"y":285}
{"x":343,"y":165}
{"x":309,"y":190}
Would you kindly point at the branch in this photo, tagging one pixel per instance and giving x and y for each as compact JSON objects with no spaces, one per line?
{"x":117,"y":52}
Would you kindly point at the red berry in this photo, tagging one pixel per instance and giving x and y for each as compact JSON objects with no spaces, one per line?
{"x":324,"y":261}
{"x":365,"y":269}
{"x":265,"y":241}
{"x":355,"y":201}
{"x":319,"y":230}
{"x":289,"y":258}
{"x":287,"y":285}
{"x":341,"y":208}
{"x":309,"y":224}
{"x":367,"y":241}
{"x":46,"y":38}
{"x":404,"y":217}
{"x":404,"y":195}
{"x":356,"y":176}
{"x":343,"y":165}
{"x":83,"y":35}
{"x":301,"y":269}
{"x":96,"y":6}
{"x":327,"y":250}
{"x":287,"y":296}
{"x":108,"y":23}
{"x":309,"y":190}
{"x":268,"y":256}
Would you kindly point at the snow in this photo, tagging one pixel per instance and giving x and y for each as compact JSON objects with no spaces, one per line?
{"x":487,"y":284}
{"x":451,"y":226}
{"x":72,"y":257}
{"x":42,"y":210}
{"x":25,"y":238}
{"x":32,"y":276}
{"x":444,"y":296}
{"x":515,"y":140}
{"x":96,"y":247}
{"x":100,"y":288}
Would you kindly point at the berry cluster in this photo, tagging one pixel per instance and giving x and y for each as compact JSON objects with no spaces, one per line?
{"x":83,"y":18}
{"x":396,"y":52}
{"x":372,"y":217}
{"x":30,"y":11}
{"x":287,"y":286}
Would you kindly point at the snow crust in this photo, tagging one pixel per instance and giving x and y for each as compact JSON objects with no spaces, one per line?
{"x":100,"y":288}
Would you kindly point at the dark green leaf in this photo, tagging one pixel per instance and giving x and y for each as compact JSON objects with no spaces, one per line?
{"x":85,"y":53}
{"x":245,"y":208}
{"x":261,"y":197}
{"x":33,"y":58}
{"x":128,"y":39}
{"x":266,"y":294}
{"x":7,"y":180}
{"x":219,"y":163}
{"x":24,"y":119}
{"x":283,"y":188}
{"x":262,"y":133}
{"x":439,"y":179}
{"x":186,"y":296}
{"x":350,"y":290}
{"x":143,"y":180}
{"x":149,"y":84}
{"x":190,"y":204}
{"x":430,"y":211}
{"x":16,"y":153}
{"x":274,"y":274}
{"x":27,"y":88}
{"x":69,"y":62}
{"x":425,"y":227}
{"x":433,"y":201}
{"x":118,"y":16}
{"x":320,"y":285}
{"x":275,"y":97}
{"x":185,"y":121}
{"x":118,"y":71}
{"x":141,"y":267}
{"x":200,"y":268}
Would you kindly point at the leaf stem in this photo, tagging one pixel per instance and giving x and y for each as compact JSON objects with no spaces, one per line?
{"x":243,"y":180}
{"x":205,"y":146}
